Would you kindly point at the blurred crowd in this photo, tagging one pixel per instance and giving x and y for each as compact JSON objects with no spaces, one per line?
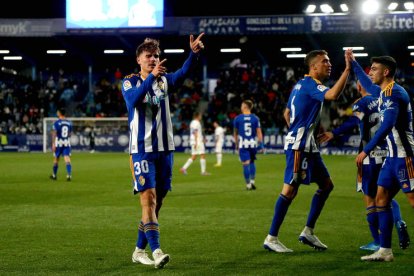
{"x":24,"y":102}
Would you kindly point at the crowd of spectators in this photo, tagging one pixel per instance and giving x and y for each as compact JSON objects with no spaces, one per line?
{"x":25,"y":102}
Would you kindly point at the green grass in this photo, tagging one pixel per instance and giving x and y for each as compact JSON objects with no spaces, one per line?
{"x":210,"y":225}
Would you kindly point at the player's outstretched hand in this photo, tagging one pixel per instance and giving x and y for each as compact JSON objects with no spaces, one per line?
{"x":159,"y":69}
{"x":325,"y":137}
{"x":196,"y":45}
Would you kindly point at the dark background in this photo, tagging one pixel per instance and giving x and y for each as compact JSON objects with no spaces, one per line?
{"x":85,"y":50}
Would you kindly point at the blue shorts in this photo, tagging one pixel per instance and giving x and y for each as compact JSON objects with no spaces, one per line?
{"x":247,"y":154}
{"x":65,"y":151}
{"x":304,"y":168}
{"x":151,"y":170}
{"x":367,"y":179}
{"x":397,"y":173}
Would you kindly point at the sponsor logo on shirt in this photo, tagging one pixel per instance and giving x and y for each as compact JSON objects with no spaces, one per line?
{"x":388,"y":104}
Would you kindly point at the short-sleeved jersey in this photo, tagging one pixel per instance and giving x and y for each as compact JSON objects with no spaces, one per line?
{"x":247,"y":125}
{"x":63,"y":129}
{"x":149,"y":116}
{"x":305,"y":104}
{"x":196,"y":133}
{"x":219,"y":134}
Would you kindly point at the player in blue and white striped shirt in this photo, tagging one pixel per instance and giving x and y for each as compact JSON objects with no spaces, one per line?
{"x":303,"y":161}
{"x":248,"y":138}
{"x":367,"y":117}
{"x":151,"y":138}
{"x":62,"y":129}
{"x":397,"y":171}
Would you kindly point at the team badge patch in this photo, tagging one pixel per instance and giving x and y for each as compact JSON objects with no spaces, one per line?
{"x":321,"y":87}
{"x":127,"y":85}
{"x":405,"y":186}
{"x":141,"y":180}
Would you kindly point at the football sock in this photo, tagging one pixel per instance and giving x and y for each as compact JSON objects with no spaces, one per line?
{"x":252,"y":170}
{"x":203,"y":165}
{"x":55,"y":169}
{"x":219,"y":158}
{"x":281,"y":208}
{"x":69,"y":168}
{"x":152,"y":233}
{"x":372,"y":218}
{"x":246,"y":173}
{"x":396,"y":210}
{"x":386,"y":223}
{"x":142,"y":238}
{"x":318,"y":201}
{"x":188,"y":163}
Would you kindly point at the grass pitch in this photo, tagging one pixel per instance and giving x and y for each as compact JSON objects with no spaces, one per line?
{"x":210,"y":225}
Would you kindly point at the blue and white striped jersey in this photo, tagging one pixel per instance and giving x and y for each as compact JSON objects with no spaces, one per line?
{"x":396,"y":122}
{"x":395,"y":114}
{"x":305,"y":105}
{"x":247,"y":125}
{"x":63,"y":130}
{"x":149,"y":115}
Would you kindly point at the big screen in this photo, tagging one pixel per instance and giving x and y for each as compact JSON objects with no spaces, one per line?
{"x":82,"y":14}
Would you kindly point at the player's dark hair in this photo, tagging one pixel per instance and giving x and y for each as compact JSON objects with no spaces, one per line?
{"x":249,"y":103}
{"x":196,"y":114}
{"x":313,"y":54}
{"x":149,"y":45}
{"x":62,"y":111}
{"x":388,"y":62}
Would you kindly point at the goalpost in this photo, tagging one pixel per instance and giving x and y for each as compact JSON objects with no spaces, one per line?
{"x":111,"y":134}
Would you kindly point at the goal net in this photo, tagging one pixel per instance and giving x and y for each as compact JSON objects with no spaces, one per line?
{"x":111,"y":134}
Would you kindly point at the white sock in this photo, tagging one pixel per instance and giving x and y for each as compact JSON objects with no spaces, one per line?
{"x":203,"y":165}
{"x":219,"y":158}
{"x":188,"y":163}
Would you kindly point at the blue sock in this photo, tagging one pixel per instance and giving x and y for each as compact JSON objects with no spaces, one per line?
{"x":69,"y":168}
{"x":252,"y":170}
{"x":55,"y":169}
{"x":318,"y":201}
{"x":142,"y":241}
{"x":386,"y":222}
{"x":281,"y":208}
{"x":396,"y":213}
{"x":246,"y":173}
{"x":372,"y":218}
{"x":152,"y":232}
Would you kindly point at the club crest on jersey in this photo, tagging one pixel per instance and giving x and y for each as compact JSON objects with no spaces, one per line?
{"x":141,"y":180}
{"x":127,"y":85}
{"x":321,"y":87}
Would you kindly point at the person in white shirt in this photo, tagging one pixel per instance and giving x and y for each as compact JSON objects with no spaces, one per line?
{"x":197,"y":145}
{"x":219,"y":141}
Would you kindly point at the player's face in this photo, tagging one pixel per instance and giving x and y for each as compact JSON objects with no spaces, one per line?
{"x":148,"y":61}
{"x":377,"y":73}
{"x":322,"y":66}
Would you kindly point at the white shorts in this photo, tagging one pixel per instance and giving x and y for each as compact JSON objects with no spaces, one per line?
{"x":200,"y":149}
